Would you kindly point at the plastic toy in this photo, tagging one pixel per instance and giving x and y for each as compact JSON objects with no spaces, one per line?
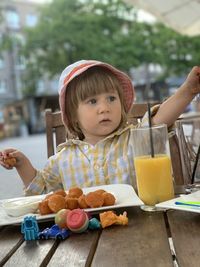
{"x":77,"y":220}
{"x":94,"y":224}
{"x":109,"y":218}
{"x":54,"y":232}
{"x":29,"y":228}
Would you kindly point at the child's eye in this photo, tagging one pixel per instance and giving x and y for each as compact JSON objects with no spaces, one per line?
{"x":111,"y":98}
{"x":92,"y":101}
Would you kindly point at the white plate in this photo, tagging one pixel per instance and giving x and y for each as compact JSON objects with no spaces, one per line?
{"x":170,"y":204}
{"x":124,"y":194}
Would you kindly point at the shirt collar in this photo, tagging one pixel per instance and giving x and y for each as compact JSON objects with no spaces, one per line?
{"x":71,"y":142}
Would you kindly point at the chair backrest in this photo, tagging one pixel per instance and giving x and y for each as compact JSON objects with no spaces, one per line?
{"x":57,"y":134}
{"x":55,"y":131}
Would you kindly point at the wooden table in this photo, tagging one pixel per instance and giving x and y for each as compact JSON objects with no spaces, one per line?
{"x":144,"y":242}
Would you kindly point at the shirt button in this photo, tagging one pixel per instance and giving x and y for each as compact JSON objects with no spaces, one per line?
{"x":85,"y":147}
{"x":96,"y":166}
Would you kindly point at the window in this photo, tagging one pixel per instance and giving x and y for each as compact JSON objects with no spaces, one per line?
{"x":31,"y":20}
{"x":20,"y":62}
{"x":12,"y":19}
{"x":2,"y":86}
{"x":1,"y":62}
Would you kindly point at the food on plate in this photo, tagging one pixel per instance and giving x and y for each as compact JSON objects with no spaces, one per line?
{"x":82,"y":203}
{"x":60,"y":192}
{"x":60,"y":218}
{"x":100,"y":191}
{"x":94,"y":200}
{"x":44,"y":207}
{"x":71,"y":203}
{"x":77,"y":220}
{"x":75,"y":192}
{"x":56,"y":202}
{"x":11,"y":161}
{"x":49,"y":195}
{"x":74,"y":199}
{"x":22,"y":206}
{"x":108,"y":198}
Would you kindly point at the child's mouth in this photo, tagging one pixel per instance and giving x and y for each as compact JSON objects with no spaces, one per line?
{"x":105,"y":121}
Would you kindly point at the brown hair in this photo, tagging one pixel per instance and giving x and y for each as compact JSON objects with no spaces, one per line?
{"x":93,"y":81}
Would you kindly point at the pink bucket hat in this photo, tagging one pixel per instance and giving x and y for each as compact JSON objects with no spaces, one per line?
{"x":75,"y":69}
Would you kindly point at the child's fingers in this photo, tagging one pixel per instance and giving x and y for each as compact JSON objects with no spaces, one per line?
{"x":5,"y":165}
{"x":10,"y":153}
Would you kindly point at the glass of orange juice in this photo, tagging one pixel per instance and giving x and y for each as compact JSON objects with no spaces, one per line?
{"x":152,"y":165}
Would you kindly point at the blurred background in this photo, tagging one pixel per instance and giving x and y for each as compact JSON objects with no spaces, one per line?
{"x":155,"y":44}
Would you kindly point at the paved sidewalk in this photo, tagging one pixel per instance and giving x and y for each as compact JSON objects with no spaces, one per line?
{"x":34,"y":146}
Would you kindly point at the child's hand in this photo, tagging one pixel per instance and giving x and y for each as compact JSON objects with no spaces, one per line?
{"x":193,"y":81}
{"x":10,"y":158}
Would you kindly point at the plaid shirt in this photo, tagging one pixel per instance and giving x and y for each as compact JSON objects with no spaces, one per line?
{"x":81,"y":164}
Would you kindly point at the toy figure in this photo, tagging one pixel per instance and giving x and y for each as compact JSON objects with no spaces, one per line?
{"x":29,"y":228}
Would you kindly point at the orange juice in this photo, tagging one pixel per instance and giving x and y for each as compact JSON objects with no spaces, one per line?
{"x":154,"y":179}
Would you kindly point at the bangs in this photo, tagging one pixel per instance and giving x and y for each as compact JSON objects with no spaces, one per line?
{"x":94,"y":81}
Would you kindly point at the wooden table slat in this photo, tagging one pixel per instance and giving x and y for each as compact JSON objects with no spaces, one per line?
{"x":77,"y":250}
{"x":11,"y":239}
{"x":143,"y":242}
{"x":185,"y":230}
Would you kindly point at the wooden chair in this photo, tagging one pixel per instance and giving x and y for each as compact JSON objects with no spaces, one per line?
{"x":56,"y":134}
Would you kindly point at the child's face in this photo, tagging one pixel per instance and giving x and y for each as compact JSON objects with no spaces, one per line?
{"x":98,"y":116}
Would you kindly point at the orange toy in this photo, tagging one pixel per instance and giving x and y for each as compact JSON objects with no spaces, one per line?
{"x":109,"y":218}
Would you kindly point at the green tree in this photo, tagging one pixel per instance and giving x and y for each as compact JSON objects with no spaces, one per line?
{"x":72,"y":30}
{"x":104,"y":30}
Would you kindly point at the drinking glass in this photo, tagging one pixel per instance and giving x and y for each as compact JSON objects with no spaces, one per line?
{"x":188,"y":132}
{"x":152,"y":165}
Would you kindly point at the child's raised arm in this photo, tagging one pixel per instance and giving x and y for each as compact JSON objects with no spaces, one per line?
{"x":22,"y":164}
{"x":174,"y":106}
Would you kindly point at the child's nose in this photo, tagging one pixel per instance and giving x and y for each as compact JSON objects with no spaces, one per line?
{"x":103,"y":107}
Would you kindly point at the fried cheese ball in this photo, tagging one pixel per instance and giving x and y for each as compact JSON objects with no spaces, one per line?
{"x":109,"y":199}
{"x":10,"y":161}
{"x":56,"y":202}
{"x":94,"y":200}
{"x":100,"y":191}
{"x":44,"y":207}
{"x":71,"y":203}
{"x":49,"y":195}
{"x":82,"y":203}
{"x":60,"y":192}
{"x":75,"y":192}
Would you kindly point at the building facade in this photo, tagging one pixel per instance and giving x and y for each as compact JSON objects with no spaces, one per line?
{"x":16,"y":15}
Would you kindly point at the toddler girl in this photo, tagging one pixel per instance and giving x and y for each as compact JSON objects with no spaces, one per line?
{"x":94,"y":99}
